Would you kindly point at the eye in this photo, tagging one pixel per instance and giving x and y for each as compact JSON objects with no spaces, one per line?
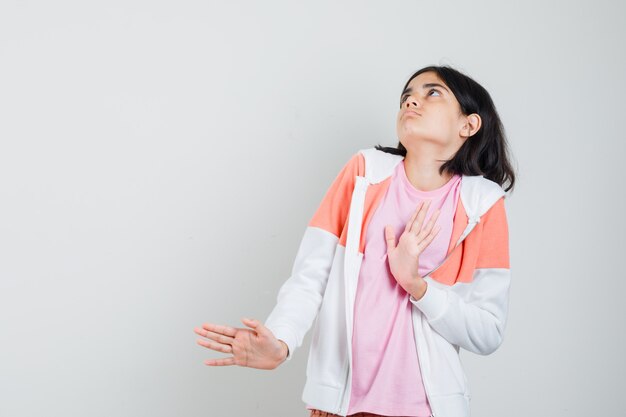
{"x":404,"y":97}
{"x":432,"y":89}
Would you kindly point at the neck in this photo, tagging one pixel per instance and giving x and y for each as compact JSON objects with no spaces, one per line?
{"x":422,"y":170}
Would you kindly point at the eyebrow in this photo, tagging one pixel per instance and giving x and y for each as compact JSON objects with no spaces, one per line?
{"x":409,"y":89}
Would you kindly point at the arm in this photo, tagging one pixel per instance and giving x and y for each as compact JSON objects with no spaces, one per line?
{"x":473,"y":315}
{"x":300,"y":297}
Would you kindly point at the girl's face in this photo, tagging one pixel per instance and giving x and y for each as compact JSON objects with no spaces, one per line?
{"x":429,"y":111}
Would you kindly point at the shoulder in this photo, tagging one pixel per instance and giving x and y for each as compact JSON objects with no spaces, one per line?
{"x":379,"y":165}
{"x":480,"y":195}
{"x":356,"y":164}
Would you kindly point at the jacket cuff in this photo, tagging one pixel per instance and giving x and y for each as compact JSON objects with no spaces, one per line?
{"x":286,"y":335}
{"x":433,"y":303}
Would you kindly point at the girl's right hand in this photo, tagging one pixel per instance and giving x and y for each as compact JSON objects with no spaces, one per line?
{"x":256,"y":348}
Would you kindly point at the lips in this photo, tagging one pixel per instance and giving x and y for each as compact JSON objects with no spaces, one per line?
{"x":411,"y":112}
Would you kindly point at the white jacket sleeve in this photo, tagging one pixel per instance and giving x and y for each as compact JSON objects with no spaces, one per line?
{"x":300,"y":297}
{"x":473,"y":315}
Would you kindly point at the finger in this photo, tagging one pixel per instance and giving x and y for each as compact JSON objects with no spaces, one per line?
{"x":416,"y":227}
{"x":390,"y":238}
{"x":220,"y":362}
{"x":407,"y":228}
{"x":214,"y":336}
{"x":431,"y":222}
{"x":429,"y":238}
{"x":219,"y":347}
{"x":255,"y":324}
{"x":227,"y":330}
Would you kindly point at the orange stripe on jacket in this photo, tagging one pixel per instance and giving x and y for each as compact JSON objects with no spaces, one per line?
{"x":373,"y":196}
{"x":486,"y":246}
{"x":332,"y":213}
{"x":494,"y":250}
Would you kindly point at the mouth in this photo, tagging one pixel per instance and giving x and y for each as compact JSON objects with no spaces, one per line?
{"x":411,"y":113}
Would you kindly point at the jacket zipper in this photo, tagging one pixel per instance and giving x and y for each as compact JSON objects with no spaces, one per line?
{"x":426,"y":384}
{"x":363,"y":183}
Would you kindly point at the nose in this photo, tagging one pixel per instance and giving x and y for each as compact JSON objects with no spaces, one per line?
{"x":412,"y":102}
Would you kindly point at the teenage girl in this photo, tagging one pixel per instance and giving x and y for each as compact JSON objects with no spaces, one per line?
{"x":448,"y":128}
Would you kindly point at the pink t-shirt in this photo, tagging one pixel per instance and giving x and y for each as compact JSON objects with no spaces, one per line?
{"x":386,"y":376}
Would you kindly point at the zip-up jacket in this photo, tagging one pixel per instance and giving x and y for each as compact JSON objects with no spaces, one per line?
{"x":465,"y":304}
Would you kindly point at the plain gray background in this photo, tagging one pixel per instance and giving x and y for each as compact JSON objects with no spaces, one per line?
{"x":160,"y":161}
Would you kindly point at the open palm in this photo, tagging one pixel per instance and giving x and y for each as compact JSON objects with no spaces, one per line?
{"x":254,"y":348}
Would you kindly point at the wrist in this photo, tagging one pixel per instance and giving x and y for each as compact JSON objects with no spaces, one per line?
{"x":420,"y":288}
{"x":284,"y":351}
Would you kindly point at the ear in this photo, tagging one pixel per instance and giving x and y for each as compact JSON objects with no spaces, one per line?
{"x":471,"y":126}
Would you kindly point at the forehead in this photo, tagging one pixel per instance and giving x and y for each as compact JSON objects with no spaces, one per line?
{"x":425,"y":78}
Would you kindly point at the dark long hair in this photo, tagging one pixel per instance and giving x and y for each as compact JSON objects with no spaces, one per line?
{"x":485,"y":153}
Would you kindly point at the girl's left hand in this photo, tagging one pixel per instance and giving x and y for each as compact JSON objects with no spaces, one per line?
{"x":404,"y":257}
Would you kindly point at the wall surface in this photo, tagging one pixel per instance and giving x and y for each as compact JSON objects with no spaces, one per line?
{"x":159,"y":162}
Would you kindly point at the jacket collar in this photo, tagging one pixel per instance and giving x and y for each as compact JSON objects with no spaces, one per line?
{"x":478,"y":193}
